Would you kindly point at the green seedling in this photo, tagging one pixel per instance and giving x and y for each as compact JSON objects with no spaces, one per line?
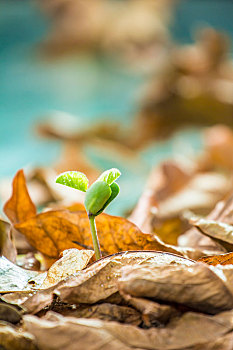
{"x":98,"y":196}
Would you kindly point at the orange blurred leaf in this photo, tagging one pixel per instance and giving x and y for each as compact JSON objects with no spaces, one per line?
{"x":222,"y":259}
{"x":20,"y":206}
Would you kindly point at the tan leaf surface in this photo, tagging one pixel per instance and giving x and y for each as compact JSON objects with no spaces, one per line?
{"x":11,"y":339}
{"x":170,"y":191}
{"x":153,"y":314}
{"x":58,"y":332}
{"x":54,"y":231}
{"x":223,"y":212}
{"x":7,"y":247}
{"x":20,"y":206}
{"x":222,"y":259}
{"x":219,"y":231}
{"x":100,"y":280}
{"x":30,"y":301}
{"x":201,"y":287}
{"x":14,"y":278}
{"x":72,"y":261}
{"x":106,"y":312}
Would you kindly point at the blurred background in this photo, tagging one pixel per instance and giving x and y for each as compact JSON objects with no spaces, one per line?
{"x":90,"y":85}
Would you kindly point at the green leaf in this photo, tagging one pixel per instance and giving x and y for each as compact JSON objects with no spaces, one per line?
{"x":115,"y":191}
{"x":109,"y":176}
{"x":74,"y":179}
{"x":96,"y":196}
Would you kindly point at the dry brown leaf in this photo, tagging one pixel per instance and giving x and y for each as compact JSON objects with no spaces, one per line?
{"x":20,"y":206}
{"x":191,"y":331}
{"x":223,"y":212}
{"x":11,"y":339}
{"x":153,"y":314}
{"x":14,"y":278}
{"x":54,"y":231}
{"x":72,"y":261}
{"x":170,"y":191}
{"x":201,"y":287}
{"x":220,"y":232}
{"x":7,"y":247}
{"x":30,"y":301}
{"x":100,"y":280}
{"x":106,"y":312}
{"x":222,"y":259}
{"x":9,"y":313}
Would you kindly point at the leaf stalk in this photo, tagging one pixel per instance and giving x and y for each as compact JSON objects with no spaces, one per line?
{"x":95,"y":239}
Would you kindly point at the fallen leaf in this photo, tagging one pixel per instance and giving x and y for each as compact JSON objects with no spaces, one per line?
{"x":72,"y":261}
{"x":57,"y":331}
{"x":11,"y":339}
{"x":106,"y":312}
{"x":30,"y":301}
{"x":219,"y":231}
{"x":222,"y":259}
{"x":9,"y":313}
{"x":7,"y":247}
{"x":20,"y":206}
{"x":100,"y":280}
{"x":153,"y":314}
{"x":201,"y":287}
{"x":171,"y":190}
{"x":13,"y":277}
{"x":54,"y":231}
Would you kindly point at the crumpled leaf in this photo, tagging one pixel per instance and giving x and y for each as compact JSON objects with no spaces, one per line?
{"x":223,"y":212}
{"x":153,"y":314}
{"x":222,"y":259}
{"x":11,"y":339}
{"x":14,"y":278}
{"x":20,"y":206}
{"x":100,"y":280}
{"x":7,"y":247}
{"x":106,"y":312}
{"x":30,"y":301}
{"x":9,"y":313}
{"x":171,"y":190}
{"x":219,"y":231}
{"x":54,"y":231}
{"x":56,"y":332}
{"x":72,"y":261}
{"x":201,"y":287}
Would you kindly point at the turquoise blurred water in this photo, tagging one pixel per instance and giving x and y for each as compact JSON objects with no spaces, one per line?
{"x":88,"y":87}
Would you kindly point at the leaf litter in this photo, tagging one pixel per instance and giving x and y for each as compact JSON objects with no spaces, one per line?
{"x":145,"y":293}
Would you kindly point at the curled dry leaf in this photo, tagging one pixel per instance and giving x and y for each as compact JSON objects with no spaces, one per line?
{"x":219,"y":231}
{"x":222,"y":259}
{"x":57,"y":332}
{"x":170,"y":191}
{"x":201,"y":287}
{"x":9,"y":313}
{"x":153,"y":314}
{"x":30,"y":301}
{"x":100,"y":280}
{"x":13,"y":278}
{"x":72,"y":261}
{"x":223,"y":212}
{"x":54,"y":231}
{"x":20,"y":206}
{"x":7,"y":247}
{"x":11,"y":339}
{"x":106,"y":312}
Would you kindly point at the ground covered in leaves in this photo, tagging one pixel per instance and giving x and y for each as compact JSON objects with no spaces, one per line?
{"x":165,"y":281}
